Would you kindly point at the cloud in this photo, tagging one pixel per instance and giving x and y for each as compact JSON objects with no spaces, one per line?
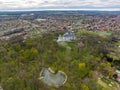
{"x":58,"y":4}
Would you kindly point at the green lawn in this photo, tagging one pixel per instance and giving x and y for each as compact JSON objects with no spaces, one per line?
{"x":107,"y":81}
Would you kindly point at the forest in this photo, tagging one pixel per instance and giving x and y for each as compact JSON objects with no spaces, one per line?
{"x":91,"y":56}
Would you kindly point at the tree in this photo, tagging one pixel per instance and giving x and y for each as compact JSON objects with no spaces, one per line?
{"x":84,"y":87}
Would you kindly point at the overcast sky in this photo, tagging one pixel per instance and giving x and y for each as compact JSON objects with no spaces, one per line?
{"x":59,"y":4}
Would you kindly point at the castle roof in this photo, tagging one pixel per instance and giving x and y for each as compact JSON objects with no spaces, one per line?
{"x":69,"y":35}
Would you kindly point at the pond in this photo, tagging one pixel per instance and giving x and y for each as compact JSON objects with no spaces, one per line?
{"x":51,"y":78}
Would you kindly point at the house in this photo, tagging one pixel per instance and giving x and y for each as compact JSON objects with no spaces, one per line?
{"x":117,"y":75}
{"x":66,"y":37}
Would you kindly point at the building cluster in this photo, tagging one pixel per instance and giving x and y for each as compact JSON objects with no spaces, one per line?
{"x":56,"y":23}
{"x":15,"y":28}
{"x":104,"y":23}
{"x":117,"y":75}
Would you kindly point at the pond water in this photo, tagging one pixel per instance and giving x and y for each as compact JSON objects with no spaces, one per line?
{"x":51,"y":78}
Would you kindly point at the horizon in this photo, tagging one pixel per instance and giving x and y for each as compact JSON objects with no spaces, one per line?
{"x":43,"y":5}
{"x":99,"y":10}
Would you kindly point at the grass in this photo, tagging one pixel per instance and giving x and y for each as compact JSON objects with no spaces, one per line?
{"x":103,"y":34}
{"x":95,"y":85}
{"x":86,"y":32}
{"x":107,"y":81}
{"x":118,"y":43}
{"x":104,"y":82}
{"x":71,"y":44}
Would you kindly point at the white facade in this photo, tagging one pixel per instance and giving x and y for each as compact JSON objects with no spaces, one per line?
{"x":66,"y":37}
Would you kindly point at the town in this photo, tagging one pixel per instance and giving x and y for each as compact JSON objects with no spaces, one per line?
{"x":22,"y":24}
{"x":58,"y":50}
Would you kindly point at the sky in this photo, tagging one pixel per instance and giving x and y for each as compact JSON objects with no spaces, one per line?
{"x":112,"y":5}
